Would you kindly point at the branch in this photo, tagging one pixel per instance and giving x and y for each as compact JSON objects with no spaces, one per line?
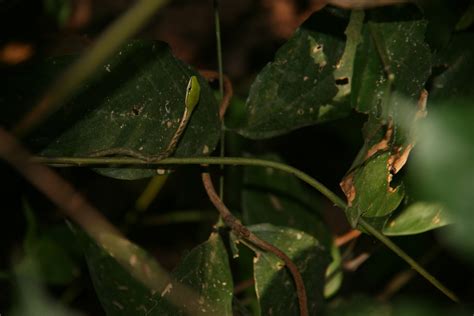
{"x":242,"y":232}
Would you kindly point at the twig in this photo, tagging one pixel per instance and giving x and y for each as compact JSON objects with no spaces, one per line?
{"x":242,"y":232}
{"x":344,"y":239}
{"x":355,"y":263}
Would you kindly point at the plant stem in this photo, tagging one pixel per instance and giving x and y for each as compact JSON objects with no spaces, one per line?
{"x":108,"y":42}
{"x":100,"y":161}
{"x":397,"y":250}
{"x":221,"y":90}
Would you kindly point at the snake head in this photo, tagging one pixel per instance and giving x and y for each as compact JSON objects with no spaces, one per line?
{"x":193,"y":92}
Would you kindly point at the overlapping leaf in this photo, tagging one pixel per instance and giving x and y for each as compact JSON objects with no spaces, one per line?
{"x":274,"y":285}
{"x":135,"y":101}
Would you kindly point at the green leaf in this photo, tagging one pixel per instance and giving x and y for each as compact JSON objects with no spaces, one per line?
{"x":129,"y":282}
{"x":374,"y":196}
{"x":392,"y":65}
{"x":278,"y":198}
{"x":117,"y":281}
{"x":135,"y":101}
{"x":297,"y":89}
{"x":206,"y":270}
{"x":417,"y":218}
{"x":274,"y":285}
{"x":334,"y":273}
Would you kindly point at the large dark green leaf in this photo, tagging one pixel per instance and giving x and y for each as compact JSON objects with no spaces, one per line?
{"x":205,"y":270}
{"x":391,"y":67}
{"x":117,"y":269}
{"x":417,"y":218}
{"x":129,"y":282}
{"x":274,"y":285}
{"x":299,"y":87}
{"x":134,"y":101}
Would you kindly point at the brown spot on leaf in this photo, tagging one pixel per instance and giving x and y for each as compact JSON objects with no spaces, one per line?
{"x":347,"y":186}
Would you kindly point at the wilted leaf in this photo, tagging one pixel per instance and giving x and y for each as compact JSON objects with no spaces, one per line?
{"x":373,"y":195}
{"x":417,"y":218}
{"x":391,"y":67}
{"x":135,"y":101}
{"x":274,"y":285}
{"x":297,"y":89}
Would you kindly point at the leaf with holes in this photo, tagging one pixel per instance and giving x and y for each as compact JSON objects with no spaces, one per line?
{"x":134,"y":101}
{"x":274,"y":285}
{"x":370,"y":193}
{"x":301,"y":86}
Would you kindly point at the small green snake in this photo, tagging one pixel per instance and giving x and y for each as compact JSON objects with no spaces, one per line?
{"x":193,"y":92}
